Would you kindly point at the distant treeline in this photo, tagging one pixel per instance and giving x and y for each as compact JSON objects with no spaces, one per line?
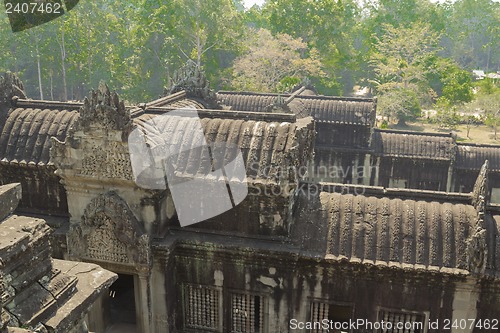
{"x":135,"y":46}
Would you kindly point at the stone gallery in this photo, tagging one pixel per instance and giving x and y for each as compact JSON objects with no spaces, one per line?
{"x":342,"y":222}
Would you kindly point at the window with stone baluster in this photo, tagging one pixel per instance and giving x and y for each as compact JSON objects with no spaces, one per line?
{"x":402,"y":321}
{"x":321,"y":311}
{"x":202,"y":308}
{"x":247,"y":313}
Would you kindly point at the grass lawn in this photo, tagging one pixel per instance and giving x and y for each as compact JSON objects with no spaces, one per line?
{"x":477,"y":134}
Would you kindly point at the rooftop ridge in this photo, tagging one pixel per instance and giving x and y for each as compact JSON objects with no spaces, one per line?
{"x":485,"y":145}
{"x":394,"y":193}
{"x":231,"y":114}
{"x":45,"y":104}
{"x":334,"y":98}
{"x":166,"y":99}
{"x":395,"y":131}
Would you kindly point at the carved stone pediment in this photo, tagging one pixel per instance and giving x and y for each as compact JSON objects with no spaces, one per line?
{"x":96,"y":146}
{"x":477,"y":248}
{"x":109,"y":232}
{"x":103,"y":109}
{"x":480,"y":191}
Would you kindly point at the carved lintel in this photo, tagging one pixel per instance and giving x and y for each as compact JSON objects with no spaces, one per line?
{"x":103,"y":108}
{"x":191,"y":79}
{"x":10,"y":86}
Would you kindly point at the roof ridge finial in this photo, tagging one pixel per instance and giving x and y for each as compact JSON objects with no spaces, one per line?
{"x":480,"y":192}
{"x":192,"y":79}
{"x":10,"y":86}
{"x":103,"y":108}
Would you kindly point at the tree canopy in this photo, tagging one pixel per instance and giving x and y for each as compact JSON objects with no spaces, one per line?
{"x":428,"y":48}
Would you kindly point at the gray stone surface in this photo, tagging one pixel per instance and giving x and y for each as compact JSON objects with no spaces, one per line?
{"x":92,"y":282}
{"x":37,"y":292}
{"x":10,"y":196}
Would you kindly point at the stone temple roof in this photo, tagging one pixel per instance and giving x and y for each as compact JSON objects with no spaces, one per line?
{"x":326,"y":109}
{"x":398,"y":232}
{"x":265,"y":139}
{"x":268,"y":141}
{"x":176,"y":100}
{"x":29,"y":125}
{"x":414,"y":144}
{"x":399,"y":228}
{"x":472,"y":156}
{"x":25,"y":135}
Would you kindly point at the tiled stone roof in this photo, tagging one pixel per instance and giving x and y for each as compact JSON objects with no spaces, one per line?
{"x":25,"y":135}
{"x":472,"y":156}
{"x":337,"y":110}
{"x":413,"y":144}
{"x":402,"y":233}
{"x":268,"y":142}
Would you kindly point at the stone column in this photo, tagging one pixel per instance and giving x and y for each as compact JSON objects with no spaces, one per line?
{"x":142,"y":304}
{"x":367,"y":171}
{"x":98,"y":316}
{"x":465,"y":303}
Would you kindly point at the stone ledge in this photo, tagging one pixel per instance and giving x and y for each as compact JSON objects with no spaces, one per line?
{"x":92,"y":279}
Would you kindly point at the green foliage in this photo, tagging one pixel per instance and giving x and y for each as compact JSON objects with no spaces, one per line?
{"x":487,"y":86}
{"x":331,"y":27}
{"x":399,"y":62}
{"x":399,"y":104}
{"x":489,"y":107}
{"x":136,"y":45}
{"x":473,"y":32}
{"x":447,"y":118}
{"x":270,"y":60}
{"x":287,"y":84}
{"x":456,"y":85}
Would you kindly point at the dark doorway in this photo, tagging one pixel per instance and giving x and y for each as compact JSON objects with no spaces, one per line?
{"x":122,"y":300}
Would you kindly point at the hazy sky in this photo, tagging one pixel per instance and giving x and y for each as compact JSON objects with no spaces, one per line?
{"x":250,"y":3}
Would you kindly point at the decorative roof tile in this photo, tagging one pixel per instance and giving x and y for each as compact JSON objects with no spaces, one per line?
{"x":25,"y":136}
{"x":336,"y":110}
{"x":472,"y":156}
{"x":413,"y":144}
{"x":405,"y":232}
{"x":268,"y":146}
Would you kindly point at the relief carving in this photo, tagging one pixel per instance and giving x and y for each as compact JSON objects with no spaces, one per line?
{"x":477,"y":248}
{"x":477,"y":251}
{"x":102,"y":153}
{"x":109,"y":232}
{"x":193,"y":81}
{"x":112,"y":161}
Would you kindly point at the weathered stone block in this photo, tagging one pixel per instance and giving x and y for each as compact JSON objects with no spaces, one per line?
{"x":9,"y":199}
